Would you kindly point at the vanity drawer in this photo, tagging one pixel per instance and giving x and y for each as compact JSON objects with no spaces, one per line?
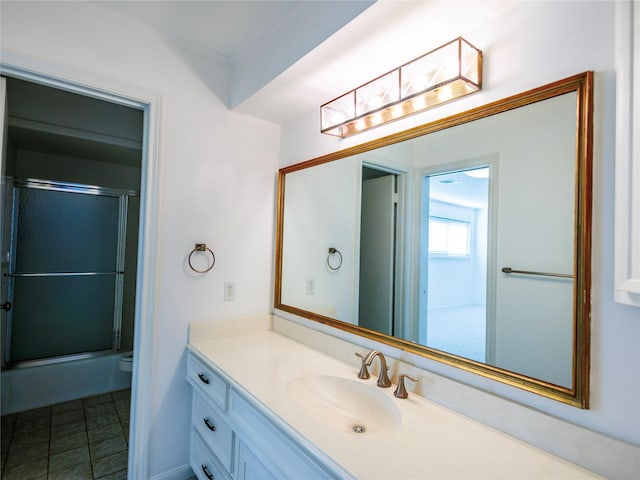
{"x":215,"y":432}
{"x":203,"y":462}
{"x":202,"y":377}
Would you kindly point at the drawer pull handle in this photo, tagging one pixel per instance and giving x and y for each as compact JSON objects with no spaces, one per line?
{"x":203,"y":378}
{"x":207,"y":472}
{"x":209,"y":425}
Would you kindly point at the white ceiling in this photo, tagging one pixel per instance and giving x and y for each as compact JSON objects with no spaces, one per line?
{"x":458,"y":188}
{"x":256,"y":39}
{"x":226,"y":28}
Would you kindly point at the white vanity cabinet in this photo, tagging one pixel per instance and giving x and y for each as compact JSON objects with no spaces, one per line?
{"x":234,"y":438}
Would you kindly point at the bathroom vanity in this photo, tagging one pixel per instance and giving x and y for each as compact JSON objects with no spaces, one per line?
{"x":234,"y":437}
{"x":267,"y":406}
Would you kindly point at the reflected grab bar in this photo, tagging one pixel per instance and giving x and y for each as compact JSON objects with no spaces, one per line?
{"x":544,"y":274}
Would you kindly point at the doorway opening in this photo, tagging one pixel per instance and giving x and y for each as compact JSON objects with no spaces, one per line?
{"x":378,"y":251}
{"x":455,"y":224}
{"x":71,"y":178}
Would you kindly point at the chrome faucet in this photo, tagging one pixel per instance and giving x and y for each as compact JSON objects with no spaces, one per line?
{"x":383,"y":378}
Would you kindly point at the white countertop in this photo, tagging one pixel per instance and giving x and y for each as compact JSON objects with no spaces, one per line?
{"x":431,"y":443}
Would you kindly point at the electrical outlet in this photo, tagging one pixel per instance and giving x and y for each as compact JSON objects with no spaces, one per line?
{"x":311,"y":286}
{"x":229,"y":291}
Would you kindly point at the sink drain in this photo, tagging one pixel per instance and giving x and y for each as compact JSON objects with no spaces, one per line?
{"x":358,"y":428}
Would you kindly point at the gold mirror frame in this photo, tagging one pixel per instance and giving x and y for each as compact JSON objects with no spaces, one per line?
{"x":578,"y":394}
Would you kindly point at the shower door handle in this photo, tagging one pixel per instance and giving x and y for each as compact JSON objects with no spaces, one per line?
{"x":6,"y":306}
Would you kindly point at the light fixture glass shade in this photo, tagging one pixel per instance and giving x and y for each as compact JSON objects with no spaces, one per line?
{"x":379,"y":93}
{"x":339,"y":110}
{"x":446,"y":73}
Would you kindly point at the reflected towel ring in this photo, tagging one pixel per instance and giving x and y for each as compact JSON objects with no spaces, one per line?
{"x":334,"y":251}
{"x":202,"y":247}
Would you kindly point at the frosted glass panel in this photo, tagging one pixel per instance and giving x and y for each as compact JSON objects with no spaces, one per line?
{"x":66,"y":232}
{"x":55,"y":316}
{"x":61,"y":240}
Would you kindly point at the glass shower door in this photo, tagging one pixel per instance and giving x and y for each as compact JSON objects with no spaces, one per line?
{"x":66,"y":267}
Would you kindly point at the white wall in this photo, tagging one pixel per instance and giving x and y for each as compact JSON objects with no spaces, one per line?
{"x":528,"y":44}
{"x":321,"y":212}
{"x":217,"y":184}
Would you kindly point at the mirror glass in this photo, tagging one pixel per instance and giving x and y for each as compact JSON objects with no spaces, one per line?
{"x":465,"y":240}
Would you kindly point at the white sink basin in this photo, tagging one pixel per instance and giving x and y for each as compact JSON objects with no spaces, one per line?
{"x":346,"y":405}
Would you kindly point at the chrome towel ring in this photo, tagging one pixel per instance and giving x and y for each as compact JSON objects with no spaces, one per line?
{"x":202,"y":247}
{"x":332,"y":252}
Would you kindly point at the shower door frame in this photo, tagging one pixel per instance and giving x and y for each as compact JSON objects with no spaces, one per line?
{"x":16,"y":184}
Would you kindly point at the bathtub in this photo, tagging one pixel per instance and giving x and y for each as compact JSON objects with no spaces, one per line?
{"x":40,"y":385}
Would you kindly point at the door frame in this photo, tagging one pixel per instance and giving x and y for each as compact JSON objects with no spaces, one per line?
{"x":108,"y":89}
{"x":421,"y":258}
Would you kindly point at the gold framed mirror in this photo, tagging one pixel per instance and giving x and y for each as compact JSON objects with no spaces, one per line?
{"x":479,"y":255}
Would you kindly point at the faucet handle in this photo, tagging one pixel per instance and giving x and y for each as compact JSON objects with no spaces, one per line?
{"x":363,"y":373}
{"x":401,"y":391}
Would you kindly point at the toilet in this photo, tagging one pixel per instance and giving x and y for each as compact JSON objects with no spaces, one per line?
{"x":125,"y":363}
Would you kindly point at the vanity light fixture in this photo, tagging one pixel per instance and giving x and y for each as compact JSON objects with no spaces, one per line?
{"x":446,"y":73}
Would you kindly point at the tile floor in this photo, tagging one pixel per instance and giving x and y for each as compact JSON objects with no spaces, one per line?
{"x":85,"y":439}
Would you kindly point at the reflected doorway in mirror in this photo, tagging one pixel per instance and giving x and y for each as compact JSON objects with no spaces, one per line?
{"x":378,"y":228}
{"x":453,"y":292}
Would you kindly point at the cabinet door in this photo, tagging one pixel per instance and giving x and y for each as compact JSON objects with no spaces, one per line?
{"x":203,"y":462}
{"x":250,"y":468}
